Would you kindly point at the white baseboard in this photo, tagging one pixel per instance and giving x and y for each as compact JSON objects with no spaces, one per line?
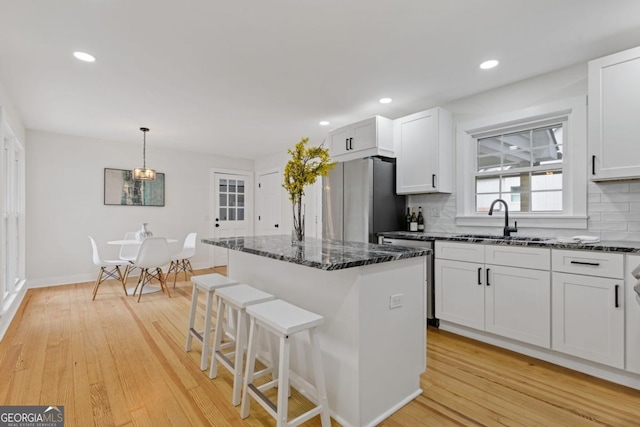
{"x":604,"y":372}
{"x":9,"y":310}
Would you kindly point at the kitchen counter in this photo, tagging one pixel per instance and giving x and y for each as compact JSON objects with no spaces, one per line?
{"x":369,"y":295}
{"x":603,"y":246}
{"x":318,"y":253}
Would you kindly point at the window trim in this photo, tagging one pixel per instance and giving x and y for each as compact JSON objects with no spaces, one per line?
{"x":574,"y":215}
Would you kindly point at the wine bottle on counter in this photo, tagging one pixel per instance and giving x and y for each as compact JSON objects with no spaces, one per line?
{"x":413,"y":225}
{"x":420,"y":219}
{"x":408,"y":220}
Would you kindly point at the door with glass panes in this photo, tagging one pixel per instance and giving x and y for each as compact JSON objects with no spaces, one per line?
{"x":232,"y":210}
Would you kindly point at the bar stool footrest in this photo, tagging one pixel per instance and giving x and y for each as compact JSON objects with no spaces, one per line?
{"x":257,"y":394}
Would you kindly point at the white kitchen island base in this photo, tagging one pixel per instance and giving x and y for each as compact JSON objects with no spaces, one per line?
{"x":372,"y":354}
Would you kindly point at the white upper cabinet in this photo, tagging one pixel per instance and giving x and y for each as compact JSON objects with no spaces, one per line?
{"x":371,"y":137}
{"x":424,"y":152}
{"x":614,"y":109}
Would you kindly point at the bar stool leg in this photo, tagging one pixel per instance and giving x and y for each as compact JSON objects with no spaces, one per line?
{"x":217,"y":338}
{"x":192,"y":317}
{"x":237,"y":365}
{"x":248,"y":377}
{"x":207,"y":332}
{"x":321,"y":389}
{"x":283,"y":382}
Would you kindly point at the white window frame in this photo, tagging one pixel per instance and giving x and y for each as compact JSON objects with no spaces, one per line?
{"x":574,"y":214}
{"x":12,"y":208}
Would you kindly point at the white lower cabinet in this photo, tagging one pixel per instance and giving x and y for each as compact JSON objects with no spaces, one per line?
{"x":506,"y":300}
{"x":588,"y":309}
{"x":632,"y":311}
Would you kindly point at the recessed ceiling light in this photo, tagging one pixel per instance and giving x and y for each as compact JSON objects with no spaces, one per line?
{"x":492,"y":63}
{"x":385,"y":100}
{"x":84,"y":57}
{"x":324,"y":123}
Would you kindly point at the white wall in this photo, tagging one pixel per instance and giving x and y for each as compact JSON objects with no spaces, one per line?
{"x":65,"y":179}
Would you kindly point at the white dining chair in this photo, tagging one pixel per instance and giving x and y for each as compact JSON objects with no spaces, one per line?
{"x":128,"y":253}
{"x":152,"y":256}
{"x":180,"y":261}
{"x":109,"y":269}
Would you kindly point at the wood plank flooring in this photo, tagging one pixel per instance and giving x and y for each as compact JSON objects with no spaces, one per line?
{"x":116,"y":362}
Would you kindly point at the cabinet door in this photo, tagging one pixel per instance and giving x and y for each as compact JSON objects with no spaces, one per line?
{"x":339,"y":141}
{"x":614,"y":108}
{"x":518,"y":304}
{"x":364,"y":135}
{"x":424,"y":153}
{"x":588,"y":318}
{"x":459,"y":290}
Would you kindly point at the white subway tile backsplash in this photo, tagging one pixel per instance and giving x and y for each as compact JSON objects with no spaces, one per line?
{"x":625,"y":217}
{"x":634,"y":187}
{"x":620,"y":197}
{"x":634,"y":226}
{"x":632,"y":236}
{"x":606,"y":226}
{"x":608,"y":207}
{"x":617,"y":187}
{"x":594,"y":197}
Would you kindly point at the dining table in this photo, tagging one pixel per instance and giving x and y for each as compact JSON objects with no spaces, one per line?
{"x":148,"y":288}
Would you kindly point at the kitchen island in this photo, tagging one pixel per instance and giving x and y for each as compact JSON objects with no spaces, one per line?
{"x":373,"y":340}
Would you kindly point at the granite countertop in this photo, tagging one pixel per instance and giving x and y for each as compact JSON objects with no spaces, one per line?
{"x":602,"y":246}
{"x":323,"y":254}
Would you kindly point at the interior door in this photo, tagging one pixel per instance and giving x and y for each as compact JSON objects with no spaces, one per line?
{"x":268,"y":204}
{"x":232,"y":210}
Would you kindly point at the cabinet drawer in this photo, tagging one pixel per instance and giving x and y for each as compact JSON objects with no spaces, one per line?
{"x":518,"y":256}
{"x":603,"y":264}
{"x":468,"y":252}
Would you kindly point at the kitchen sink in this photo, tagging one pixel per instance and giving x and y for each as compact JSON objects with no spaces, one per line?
{"x":495,"y":237}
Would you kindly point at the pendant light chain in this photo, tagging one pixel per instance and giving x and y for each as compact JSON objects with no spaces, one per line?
{"x":144,"y":147}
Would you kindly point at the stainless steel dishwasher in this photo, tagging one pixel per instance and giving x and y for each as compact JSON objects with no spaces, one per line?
{"x":431,"y":301}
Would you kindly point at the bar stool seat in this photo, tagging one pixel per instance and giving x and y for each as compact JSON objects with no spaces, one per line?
{"x":207,"y":283}
{"x":237,"y":298}
{"x":283,"y":320}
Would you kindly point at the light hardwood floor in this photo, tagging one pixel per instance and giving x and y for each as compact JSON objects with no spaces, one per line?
{"x":116,"y":362}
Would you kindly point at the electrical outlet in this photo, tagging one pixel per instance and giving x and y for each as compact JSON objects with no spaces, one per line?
{"x":395,"y":301}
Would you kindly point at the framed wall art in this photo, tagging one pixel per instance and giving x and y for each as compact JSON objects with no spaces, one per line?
{"x":121,"y":189}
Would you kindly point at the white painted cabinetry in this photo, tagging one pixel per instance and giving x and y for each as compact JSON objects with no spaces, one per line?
{"x":588,"y":305}
{"x":632,"y":311}
{"x":614,"y":108}
{"x":424,"y":152}
{"x":366,"y":138}
{"x":504,"y":290}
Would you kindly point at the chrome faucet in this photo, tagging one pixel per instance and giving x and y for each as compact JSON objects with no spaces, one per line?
{"x":507,"y":230}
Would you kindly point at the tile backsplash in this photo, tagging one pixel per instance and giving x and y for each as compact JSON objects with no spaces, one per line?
{"x":613,"y":209}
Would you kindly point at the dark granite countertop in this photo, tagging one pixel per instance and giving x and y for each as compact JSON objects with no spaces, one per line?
{"x":318,"y":253}
{"x":602,"y":246}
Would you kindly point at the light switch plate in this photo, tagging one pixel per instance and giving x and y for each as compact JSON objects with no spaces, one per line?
{"x":395,"y":301}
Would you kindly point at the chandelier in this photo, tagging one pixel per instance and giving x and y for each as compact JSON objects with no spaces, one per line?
{"x":144,"y":174}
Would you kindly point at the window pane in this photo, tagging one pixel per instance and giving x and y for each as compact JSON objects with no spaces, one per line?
{"x":517,"y":141}
{"x":546,"y":137}
{"x":488,"y":185}
{"x":223,"y":214}
{"x":223,"y":185}
{"x":511,"y":183}
{"x":546,"y":181}
{"x":232,"y":186}
{"x":551,"y":155}
{"x":489,"y":150}
{"x":240,"y":186}
{"x":223,"y":200}
{"x":483,"y":201}
{"x":232,"y":199}
{"x":232,"y":214}
{"x":240,"y":214}
{"x":517,"y":159}
{"x":514,"y":201}
{"x":241,"y":200}
{"x":546,"y":201}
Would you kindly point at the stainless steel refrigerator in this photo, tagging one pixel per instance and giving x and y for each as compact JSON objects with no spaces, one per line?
{"x":359,"y":200}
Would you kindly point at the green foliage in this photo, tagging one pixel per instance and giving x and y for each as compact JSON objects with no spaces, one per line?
{"x":305,"y":166}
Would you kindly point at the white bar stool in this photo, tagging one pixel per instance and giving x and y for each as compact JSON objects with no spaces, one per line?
{"x":237,"y":298}
{"x":208,"y":283}
{"x":283,"y":320}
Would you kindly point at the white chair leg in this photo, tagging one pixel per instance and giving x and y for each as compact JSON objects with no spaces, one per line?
{"x":248,"y":372}
{"x":192,"y":317}
{"x":283,"y":383}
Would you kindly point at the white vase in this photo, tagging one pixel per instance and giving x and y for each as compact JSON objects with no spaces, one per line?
{"x":143,"y":233}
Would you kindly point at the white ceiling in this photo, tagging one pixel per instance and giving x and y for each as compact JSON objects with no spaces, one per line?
{"x":250,"y":78}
